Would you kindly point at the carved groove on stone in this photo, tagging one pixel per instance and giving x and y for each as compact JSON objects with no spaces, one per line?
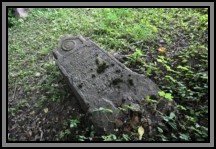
{"x":68,"y":45}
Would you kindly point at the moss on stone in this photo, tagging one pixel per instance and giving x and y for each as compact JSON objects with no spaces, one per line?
{"x":101,"y":66}
{"x":117,"y":81}
{"x":130,"y":81}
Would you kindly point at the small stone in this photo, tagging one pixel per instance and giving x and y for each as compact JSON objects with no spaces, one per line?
{"x":161,"y":41}
{"x":119,"y":123}
{"x":30,"y":133}
{"x":183,"y":43}
{"x":32,"y":113}
{"x":135,"y":107}
{"x":116,"y":130}
{"x":37,"y":74}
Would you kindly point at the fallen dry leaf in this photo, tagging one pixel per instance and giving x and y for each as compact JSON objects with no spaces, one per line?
{"x":32,"y":113}
{"x":30,"y":133}
{"x":37,"y":74}
{"x":162,"y":50}
{"x":140,"y":132}
{"x":45,"y":110}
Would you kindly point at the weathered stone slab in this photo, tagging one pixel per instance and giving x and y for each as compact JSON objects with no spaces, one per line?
{"x":21,"y":12}
{"x":101,"y":83}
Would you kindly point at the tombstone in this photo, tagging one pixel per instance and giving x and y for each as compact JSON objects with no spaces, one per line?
{"x":21,"y":12}
{"x":107,"y":90}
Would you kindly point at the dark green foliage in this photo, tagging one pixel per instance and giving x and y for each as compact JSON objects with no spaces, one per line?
{"x":11,"y":17}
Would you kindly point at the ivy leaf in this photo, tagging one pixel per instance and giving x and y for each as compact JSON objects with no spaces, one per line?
{"x":160,"y":130}
{"x":148,"y":99}
{"x":181,"y":107}
{"x":172,"y":115}
{"x":197,"y":125}
{"x":165,"y":118}
{"x":74,"y":123}
{"x":168,"y":68}
{"x":159,"y":60}
{"x":173,"y":135}
{"x":140,"y":132}
{"x":184,"y":137}
{"x":162,"y":93}
{"x":139,"y":52}
{"x":183,"y":68}
{"x":125,"y":137}
{"x":171,"y":78}
{"x":154,"y":101}
{"x":172,"y":124}
{"x":104,"y":110}
{"x":168,"y":96}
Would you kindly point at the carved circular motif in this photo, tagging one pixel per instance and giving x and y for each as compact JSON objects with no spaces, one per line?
{"x":68,"y":45}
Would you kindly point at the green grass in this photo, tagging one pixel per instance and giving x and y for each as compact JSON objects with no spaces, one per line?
{"x":178,"y":72}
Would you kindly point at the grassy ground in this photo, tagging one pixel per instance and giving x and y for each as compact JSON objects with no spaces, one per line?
{"x":170,"y":46}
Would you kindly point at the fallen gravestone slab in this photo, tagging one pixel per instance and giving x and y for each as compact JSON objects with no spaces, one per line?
{"x":109,"y":92}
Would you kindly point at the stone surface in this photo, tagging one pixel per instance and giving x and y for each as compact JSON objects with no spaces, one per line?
{"x":102,"y":84}
{"x":161,"y":41}
{"x":21,"y":12}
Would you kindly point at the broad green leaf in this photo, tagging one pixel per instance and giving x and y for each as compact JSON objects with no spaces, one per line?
{"x":154,"y":101}
{"x":173,"y":135}
{"x":172,"y":124}
{"x":183,"y":68}
{"x":190,"y":118}
{"x":172,"y":115}
{"x":184,"y":60}
{"x":161,"y":57}
{"x":110,"y":137}
{"x":171,"y":78}
{"x":181,"y":107}
{"x":197,"y":125}
{"x":168,"y":68}
{"x":168,"y":96}
{"x":165,"y":118}
{"x":74,"y":123}
{"x":184,"y":137}
{"x":148,"y":99}
{"x":162,"y":93}
{"x":160,"y":130}
{"x":159,"y":60}
{"x":125,"y":137}
{"x":104,"y":110}
{"x":122,"y":109}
